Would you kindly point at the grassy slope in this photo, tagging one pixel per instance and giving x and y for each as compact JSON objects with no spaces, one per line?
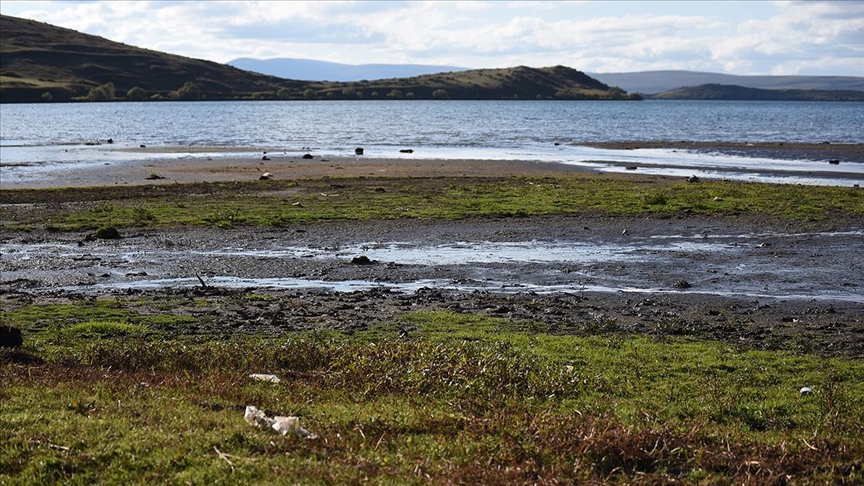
{"x":39,"y":58}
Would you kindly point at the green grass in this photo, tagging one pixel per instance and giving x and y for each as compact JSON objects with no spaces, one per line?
{"x":267,"y":204}
{"x":460,"y":398}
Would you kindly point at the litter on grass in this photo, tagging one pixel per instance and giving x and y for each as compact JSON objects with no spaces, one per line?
{"x":265,"y":377}
{"x":285,"y":425}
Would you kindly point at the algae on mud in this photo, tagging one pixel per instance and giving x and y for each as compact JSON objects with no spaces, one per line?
{"x":279,"y":203}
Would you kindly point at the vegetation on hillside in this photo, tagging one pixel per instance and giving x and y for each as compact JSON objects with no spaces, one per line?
{"x":44,"y":63}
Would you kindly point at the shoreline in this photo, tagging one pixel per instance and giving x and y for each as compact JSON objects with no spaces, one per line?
{"x":197,"y":167}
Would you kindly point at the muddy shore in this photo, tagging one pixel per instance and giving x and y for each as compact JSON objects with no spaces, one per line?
{"x":744,"y":280}
{"x":754,"y":283}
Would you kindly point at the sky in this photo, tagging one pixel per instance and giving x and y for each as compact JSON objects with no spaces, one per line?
{"x":733,"y":37}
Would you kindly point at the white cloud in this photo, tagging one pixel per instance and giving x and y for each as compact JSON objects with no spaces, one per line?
{"x":743,"y":38}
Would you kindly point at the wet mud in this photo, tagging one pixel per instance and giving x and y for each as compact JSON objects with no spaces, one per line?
{"x":746,"y":281}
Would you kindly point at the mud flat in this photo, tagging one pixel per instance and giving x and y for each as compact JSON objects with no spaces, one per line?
{"x":750,"y":281}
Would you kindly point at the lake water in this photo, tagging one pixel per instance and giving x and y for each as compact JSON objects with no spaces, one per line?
{"x":36,"y":139}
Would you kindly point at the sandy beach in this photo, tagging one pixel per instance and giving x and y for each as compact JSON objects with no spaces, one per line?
{"x":162,"y":165}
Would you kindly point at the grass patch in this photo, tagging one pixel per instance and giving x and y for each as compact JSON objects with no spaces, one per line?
{"x":449,"y":398}
{"x":104,"y":329}
{"x":266,"y":204}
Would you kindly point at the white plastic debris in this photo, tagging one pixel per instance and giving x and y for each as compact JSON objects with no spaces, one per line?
{"x":285,"y":425}
{"x":806,"y":390}
{"x":265,"y":377}
{"x":288,"y":425}
{"x":256,"y":418}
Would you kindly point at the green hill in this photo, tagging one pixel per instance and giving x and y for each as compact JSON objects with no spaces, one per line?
{"x":732,"y":92}
{"x":42,"y":62}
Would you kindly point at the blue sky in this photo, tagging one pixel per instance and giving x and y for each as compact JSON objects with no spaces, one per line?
{"x":746,"y":37}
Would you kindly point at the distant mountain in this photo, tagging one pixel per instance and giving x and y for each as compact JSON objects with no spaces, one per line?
{"x":651,"y":82}
{"x":311,"y":70}
{"x":731,"y":92}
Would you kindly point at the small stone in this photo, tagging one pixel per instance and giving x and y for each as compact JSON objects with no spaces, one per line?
{"x":107,"y":233}
{"x":307,"y":156}
{"x":682,"y":284}
{"x":362,"y":260}
{"x":358,"y":151}
{"x":806,"y":390}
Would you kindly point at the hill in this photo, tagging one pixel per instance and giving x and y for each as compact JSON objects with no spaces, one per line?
{"x":731,"y":92}
{"x":312,"y":70}
{"x":652,"y":82}
{"x":38,"y":58}
{"x":42,"y":62}
{"x":559,"y":82}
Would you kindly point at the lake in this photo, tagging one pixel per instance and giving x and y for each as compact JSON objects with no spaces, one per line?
{"x":40,"y":139}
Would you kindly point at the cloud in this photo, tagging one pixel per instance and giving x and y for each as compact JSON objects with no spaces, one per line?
{"x":788,"y":37}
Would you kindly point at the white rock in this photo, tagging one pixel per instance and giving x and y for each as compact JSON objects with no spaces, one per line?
{"x":806,"y":390}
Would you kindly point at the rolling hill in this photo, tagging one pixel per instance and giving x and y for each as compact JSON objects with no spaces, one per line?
{"x":38,"y":58}
{"x":732,"y":92}
{"x":44,"y":63}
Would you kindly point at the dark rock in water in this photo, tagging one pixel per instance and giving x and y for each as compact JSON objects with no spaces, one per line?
{"x":358,"y":151}
{"x":307,"y":156}
{"x":110,"y":140}
{"x":682,"y":284}
{"x":834,"y":162}
{"x":10,"y":337}
{"x":693,"y":179}
{"x":362,"y":260}
{"x":265,"y":158}
{"x":407,"y":151}
{"x":107,"y":233}
{"x":631,"y":167}
{"x":143,"y":146}
{"x":154,"y":177}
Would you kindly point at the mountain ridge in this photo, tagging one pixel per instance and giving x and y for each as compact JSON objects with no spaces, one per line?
{"x":645,"y":82}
